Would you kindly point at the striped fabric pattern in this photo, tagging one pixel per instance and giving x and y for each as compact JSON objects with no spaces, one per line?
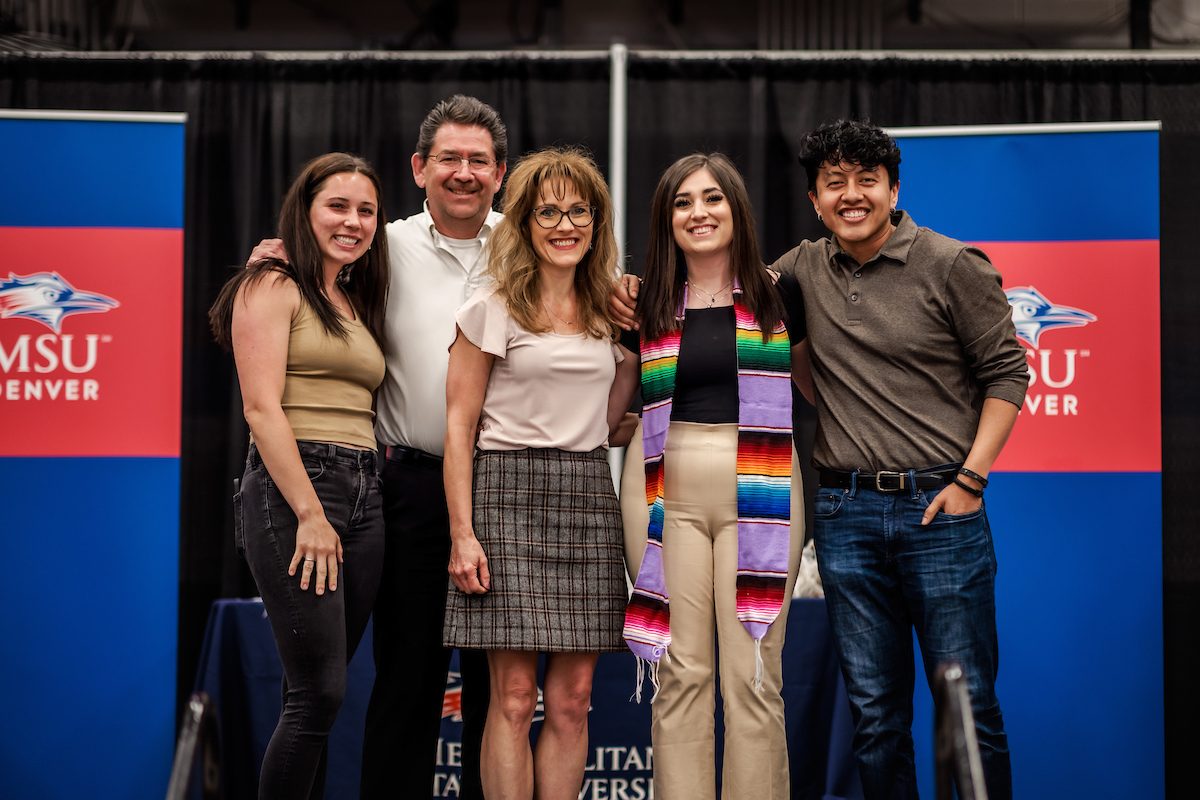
{"x":764,"y":465}
{"x":764,"y":471}
{"x":659,"y":360}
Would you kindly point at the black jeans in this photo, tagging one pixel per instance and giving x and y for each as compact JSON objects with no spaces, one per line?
{"x":404,"y":716}
{"x":316,"y":636}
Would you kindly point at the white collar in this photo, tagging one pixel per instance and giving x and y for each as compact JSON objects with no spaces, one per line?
{"x":489,"y":222}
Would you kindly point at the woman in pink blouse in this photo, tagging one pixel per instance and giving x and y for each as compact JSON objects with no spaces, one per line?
{"x":534,"y":384}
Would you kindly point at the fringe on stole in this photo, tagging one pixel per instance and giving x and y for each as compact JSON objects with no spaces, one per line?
{"x":650,"y":668}
{"x":645,"y":667}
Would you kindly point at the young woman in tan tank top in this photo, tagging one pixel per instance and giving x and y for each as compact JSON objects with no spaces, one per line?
{"x":307,"y":338}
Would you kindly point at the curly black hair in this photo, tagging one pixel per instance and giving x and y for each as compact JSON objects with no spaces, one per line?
{"x":849,"y":141}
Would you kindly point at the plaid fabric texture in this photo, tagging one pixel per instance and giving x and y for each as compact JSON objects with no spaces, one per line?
{"x":550,"y":525}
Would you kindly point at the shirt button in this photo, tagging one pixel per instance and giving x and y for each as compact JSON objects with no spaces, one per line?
{"x":858,"y":274}
{"x":854,"y":297}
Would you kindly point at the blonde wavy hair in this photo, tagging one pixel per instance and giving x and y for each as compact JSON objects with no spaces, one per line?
{"x":513,"y":263}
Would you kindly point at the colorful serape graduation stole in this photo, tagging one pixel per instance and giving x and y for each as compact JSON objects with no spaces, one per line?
{"x":764,"y":467}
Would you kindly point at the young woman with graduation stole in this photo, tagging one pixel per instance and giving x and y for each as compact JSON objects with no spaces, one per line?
{"x":707,"y":493}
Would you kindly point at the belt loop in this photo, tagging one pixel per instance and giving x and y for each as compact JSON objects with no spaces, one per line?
{"x":853,"y":484}
{"x":912,"y":484}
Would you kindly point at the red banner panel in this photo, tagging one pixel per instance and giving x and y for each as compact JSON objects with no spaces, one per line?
{"x":90,"y":341}
{"x":1087,"y":313}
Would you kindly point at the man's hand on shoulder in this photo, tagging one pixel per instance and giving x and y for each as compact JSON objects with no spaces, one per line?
{"x":622,"y":302}
{"x":268,"y":248}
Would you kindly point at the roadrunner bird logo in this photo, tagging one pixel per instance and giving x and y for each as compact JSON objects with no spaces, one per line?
{"x":48,"y":298}
{"x":1033,"y":314}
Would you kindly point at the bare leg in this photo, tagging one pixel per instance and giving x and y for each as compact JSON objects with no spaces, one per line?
{"x":562,"y":744}
{"x":507,"y":761}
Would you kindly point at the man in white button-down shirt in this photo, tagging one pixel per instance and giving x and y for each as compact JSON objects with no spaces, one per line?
{"x":438,"y":259}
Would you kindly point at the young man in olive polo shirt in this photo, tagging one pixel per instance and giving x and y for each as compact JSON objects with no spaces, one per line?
{"x":918,"y":378}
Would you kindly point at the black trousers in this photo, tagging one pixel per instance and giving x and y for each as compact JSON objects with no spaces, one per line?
{"x":404,"y":716}
{"x":316,"y":635}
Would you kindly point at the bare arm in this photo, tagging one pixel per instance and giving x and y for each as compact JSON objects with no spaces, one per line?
{"x":621,"y":393}
{"x":466,"y":382}
{"x":802,"y":370}
{"x":262,"y":316}
{"x":995,"y":424}
{"x":622,"y":435}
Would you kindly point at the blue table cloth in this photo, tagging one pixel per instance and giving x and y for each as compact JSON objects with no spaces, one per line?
{"x":239,"y":669}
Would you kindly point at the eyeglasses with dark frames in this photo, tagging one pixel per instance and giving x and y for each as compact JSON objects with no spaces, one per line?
{"x":549,"y":216}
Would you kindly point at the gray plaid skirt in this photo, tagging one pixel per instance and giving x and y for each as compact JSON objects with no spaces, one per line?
{"x":550,"y":525}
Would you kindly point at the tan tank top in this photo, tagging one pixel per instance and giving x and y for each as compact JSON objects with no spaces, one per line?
{"x":330,"y":381}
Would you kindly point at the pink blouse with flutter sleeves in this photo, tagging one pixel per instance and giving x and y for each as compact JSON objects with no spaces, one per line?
{"x":546,"y":389}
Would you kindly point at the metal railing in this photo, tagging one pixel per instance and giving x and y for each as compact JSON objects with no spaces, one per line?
{"x":956,"y":750}
{"x":197,"y":742}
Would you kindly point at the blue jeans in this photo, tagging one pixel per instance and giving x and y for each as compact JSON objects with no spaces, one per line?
{"x":884,"y":574}
{"x":316,"y":636}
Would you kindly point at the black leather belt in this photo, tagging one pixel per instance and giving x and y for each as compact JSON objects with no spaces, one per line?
{"x":885,"y":480}
{"x":411,"y":455}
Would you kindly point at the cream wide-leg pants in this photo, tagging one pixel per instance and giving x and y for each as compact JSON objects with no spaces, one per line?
{"x":700,"y":561}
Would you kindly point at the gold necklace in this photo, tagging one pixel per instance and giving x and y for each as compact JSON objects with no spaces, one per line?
{"x":566,"y":322}
{"x":712,"y":296}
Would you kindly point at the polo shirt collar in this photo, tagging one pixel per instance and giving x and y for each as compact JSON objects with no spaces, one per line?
{"x":895,"y":249}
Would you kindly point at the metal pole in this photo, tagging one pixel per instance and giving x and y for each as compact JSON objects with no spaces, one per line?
{"x":617,"y":131}
{"x":618,"y":56}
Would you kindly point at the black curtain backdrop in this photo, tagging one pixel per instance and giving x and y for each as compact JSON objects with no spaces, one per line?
{"x":253,"y":119}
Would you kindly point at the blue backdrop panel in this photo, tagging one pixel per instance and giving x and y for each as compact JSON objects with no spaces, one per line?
{"x":1081,"y":640}
{"x":91,"y":174}
{"x":92,"y":541}
{"x":1032,"y":187}
{"x":1079,"y":589}
{"x":89,"y":625}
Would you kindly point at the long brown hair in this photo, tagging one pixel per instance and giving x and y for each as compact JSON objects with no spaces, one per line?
{"x":513,"y":263}
{"x":365,"y":282}
{"x":666,"y":270}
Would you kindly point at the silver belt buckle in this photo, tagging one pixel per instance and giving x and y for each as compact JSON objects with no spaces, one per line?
{"x":889,"y":476}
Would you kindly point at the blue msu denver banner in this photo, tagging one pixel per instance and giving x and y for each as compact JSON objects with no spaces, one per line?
{"x":91,"y":271}
{"x":1076,"y":504}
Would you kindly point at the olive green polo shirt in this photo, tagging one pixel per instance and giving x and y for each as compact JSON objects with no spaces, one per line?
{"x":904,"y":348}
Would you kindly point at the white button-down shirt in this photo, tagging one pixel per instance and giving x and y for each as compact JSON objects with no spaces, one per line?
{"x":428,"y":284}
